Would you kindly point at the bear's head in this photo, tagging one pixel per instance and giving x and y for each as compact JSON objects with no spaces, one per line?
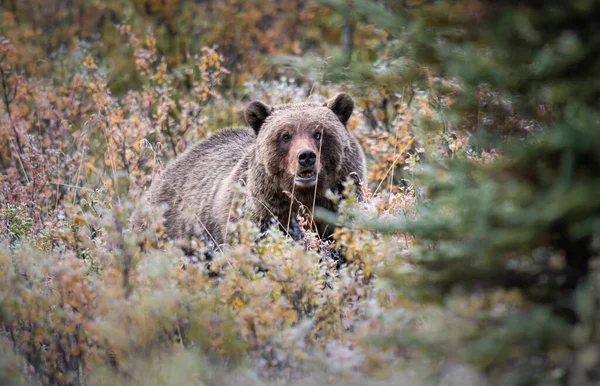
{"x":302,"y":145}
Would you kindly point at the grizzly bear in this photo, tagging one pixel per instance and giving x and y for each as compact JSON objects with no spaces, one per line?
{"x":290,"y":150}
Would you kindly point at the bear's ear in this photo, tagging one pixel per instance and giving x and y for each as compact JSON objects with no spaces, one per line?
{"x":342,"y":105}
{"x":256,"y":113}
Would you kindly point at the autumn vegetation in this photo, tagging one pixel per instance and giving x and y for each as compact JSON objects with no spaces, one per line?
{"x":472,"y":260}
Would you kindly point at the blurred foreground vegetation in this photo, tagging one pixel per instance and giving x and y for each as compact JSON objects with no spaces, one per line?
{"x":472,"y":261}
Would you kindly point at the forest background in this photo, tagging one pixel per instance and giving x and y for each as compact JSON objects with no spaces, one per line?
{"x":473,"y":259}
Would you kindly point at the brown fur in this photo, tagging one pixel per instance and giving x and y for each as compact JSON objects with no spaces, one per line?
{"x":197,"y":186}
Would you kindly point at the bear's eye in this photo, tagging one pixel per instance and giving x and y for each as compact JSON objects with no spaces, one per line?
{"x":318,"y":135}
{"x":286,"y":138}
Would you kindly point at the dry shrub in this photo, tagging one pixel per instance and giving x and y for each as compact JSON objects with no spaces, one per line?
{"x":84,"y":300}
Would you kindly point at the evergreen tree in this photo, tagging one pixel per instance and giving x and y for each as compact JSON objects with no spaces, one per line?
{"x":521,"y":234}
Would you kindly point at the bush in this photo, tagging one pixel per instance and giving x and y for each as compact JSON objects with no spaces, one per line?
{"x":472,"y":259}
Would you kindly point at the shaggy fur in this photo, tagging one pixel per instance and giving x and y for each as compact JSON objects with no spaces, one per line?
{"x":197,"y":186}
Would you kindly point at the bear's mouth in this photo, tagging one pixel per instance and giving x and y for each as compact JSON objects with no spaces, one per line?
{"x":306,"y":177}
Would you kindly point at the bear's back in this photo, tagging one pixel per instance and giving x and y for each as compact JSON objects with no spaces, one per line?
{"x":189,"y":185}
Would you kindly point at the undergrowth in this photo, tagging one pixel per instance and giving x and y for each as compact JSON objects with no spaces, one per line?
{"x":84,"y":300}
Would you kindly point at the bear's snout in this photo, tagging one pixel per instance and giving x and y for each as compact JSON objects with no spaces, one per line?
{"x":307,"y":170}
{"x":306,"y":157}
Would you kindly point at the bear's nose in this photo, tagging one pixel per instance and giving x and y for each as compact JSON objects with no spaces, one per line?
{"x":307,"y":157}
